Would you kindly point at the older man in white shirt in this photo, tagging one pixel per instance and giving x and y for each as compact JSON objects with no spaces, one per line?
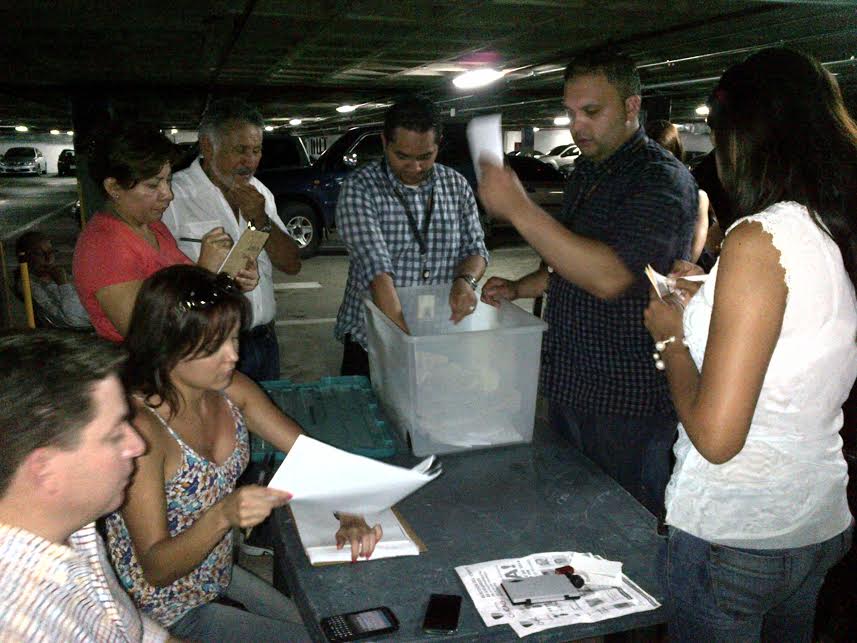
{"x":219,"y":189}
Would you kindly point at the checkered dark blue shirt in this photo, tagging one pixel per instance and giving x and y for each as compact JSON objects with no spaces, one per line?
{"x":597,"y":355}
{"x":372,"y":223}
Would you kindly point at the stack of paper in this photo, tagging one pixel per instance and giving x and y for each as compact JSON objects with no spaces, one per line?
{"x":317,"y":529}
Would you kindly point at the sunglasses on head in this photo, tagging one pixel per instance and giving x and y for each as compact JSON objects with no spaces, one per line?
{"x":202,"y":299}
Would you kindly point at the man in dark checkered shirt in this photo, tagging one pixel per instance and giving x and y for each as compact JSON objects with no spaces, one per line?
{"x":628,"y":203}
{"x":406,"y":221}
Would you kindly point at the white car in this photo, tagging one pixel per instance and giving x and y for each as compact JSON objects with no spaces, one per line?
{"x":562,"y":157}
{"x":23,"y":160}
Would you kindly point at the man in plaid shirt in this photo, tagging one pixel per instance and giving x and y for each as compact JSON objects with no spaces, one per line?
{"x":66,"y":454}
{"x":406,"y":221}
{"x":628,"y":203}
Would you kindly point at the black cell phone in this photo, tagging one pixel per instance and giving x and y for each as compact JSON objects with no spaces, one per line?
{"x":442,"y":614}
{"x":359,"y":625}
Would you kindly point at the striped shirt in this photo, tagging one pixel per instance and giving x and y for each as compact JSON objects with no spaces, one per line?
{"x":371,"y":219}
{"x":597,"y":355}
{"x":51,"y":592}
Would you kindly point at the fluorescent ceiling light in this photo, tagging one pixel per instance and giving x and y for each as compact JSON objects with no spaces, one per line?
{"x":536,"y":129}
{"x":476,"y":78}
{"x":702,"y":110}
{"x":561,"y":120}
{"x":174,"y":131}
{"x":70,"y":133}
{"x":269,"y":128}
{"x":22,"y":128}
{"x":55,"y":132}
{"x":295,"y":122}
{"x":345,"y":109}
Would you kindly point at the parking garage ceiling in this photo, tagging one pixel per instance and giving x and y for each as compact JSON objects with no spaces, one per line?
{"x":162,"y":60}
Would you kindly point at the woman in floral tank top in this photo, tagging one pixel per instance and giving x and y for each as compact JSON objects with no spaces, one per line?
{"x":171,"y":543}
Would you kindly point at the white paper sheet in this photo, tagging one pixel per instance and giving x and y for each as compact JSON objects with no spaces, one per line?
{"x":485,"y":140}
{"x":317,"y":530}
{"x":326,"y":478}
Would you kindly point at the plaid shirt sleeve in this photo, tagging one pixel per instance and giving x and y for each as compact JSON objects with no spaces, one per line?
{"x":360,"y":229}
{"x":472,"y":234}
{"x":657,"y":219}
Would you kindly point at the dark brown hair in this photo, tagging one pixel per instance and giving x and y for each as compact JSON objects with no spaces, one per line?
{"x":619,"y":69}
{"x":46,"y":388}
{"x":128,"y":152}
{"x":181,"y":312}
{"x":782,"y":133}
{"x":667,"y":135}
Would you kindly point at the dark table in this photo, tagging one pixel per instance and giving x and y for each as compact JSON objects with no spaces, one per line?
{"x":506,"y":502}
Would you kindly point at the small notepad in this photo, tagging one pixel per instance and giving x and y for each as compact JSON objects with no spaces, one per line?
{"x":248,"y":247}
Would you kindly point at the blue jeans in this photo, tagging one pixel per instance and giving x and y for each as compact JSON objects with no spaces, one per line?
{"x":718,"y":593}
{"x":634,"y":451}
{"x":260,"y":353}
{"x":272,"y":616}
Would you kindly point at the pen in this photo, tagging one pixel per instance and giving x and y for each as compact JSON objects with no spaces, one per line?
{"x":191,"y":239}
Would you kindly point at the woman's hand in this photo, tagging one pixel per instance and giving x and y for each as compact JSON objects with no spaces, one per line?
{"x":682,"y":268}
{"x":249,"y":505}
{"x":498,"y":289}
{"x":363,"y":539}
{"x":248,"y":278}
{"x":213,"y":249}
{"x":663,"y":318}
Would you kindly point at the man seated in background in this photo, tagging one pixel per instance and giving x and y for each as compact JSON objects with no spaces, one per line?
{"x":66,"y":454}
{"x":55,"y":300}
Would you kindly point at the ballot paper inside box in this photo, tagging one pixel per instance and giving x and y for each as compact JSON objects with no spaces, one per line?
{"x":452,"y":387}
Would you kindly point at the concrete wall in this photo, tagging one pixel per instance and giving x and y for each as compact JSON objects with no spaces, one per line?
{"x":49,"y":145}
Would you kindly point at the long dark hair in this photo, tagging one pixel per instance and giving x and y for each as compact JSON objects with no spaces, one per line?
{"x":783,"y":134}
{"x":181,"y":312}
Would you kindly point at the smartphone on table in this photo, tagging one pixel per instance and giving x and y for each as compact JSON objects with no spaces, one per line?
{"x":359,"y":625}
{"x":442,"y":614}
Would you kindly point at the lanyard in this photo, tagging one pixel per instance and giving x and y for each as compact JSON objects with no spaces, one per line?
{"x":419,"y":235}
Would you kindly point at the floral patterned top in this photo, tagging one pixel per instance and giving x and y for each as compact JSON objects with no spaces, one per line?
{"x":197,"y":485}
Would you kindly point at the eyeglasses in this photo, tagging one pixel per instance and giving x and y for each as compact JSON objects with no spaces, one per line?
{"x":222,"y":286}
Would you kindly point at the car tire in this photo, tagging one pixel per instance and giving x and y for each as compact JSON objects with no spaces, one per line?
{"x":302,"y":224}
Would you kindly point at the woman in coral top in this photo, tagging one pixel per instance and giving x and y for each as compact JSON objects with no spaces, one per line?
{"x":126,"y":242}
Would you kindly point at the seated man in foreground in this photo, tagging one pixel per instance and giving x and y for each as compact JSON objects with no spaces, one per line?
{"x":66,"y":454}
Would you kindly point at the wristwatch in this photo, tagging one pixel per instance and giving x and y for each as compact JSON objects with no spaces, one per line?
{"x":470,"y":279}
{"x":265,"y":227}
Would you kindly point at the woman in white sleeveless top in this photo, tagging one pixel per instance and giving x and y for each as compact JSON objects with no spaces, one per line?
{"x":761,"y":361}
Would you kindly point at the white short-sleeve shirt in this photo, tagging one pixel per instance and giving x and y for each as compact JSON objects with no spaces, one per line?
{"x":198,"y":206}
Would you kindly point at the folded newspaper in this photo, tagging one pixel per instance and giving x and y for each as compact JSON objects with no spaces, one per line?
{"x":606,"y":593}
{"x":317,"y":531}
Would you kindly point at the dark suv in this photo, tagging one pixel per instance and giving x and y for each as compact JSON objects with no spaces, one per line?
{"x":66,"y":164}
{"x":306,"y":197}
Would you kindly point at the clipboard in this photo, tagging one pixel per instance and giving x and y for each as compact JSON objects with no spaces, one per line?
{"x":249,"y":245}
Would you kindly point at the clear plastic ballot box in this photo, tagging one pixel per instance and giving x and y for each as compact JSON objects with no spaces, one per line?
{"x":451,"y":387}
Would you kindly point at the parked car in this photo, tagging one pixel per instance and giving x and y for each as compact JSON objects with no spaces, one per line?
{"x":562,"y":157}
{"x":23,"y":160}
{"x":306,"y":197}
{"x":66,"y":163}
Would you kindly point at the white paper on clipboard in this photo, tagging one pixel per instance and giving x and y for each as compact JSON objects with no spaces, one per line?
{"x":485,"y":139}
